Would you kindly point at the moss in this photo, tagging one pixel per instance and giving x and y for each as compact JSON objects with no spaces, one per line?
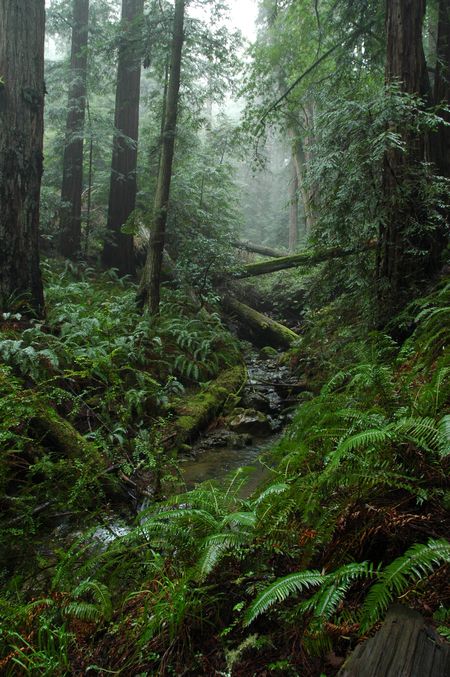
{"x":197,"y":411}
{"x":61,"y":436}
{"x":260,"y":328}
{"x":305,"y":258}
{"x":46,"y":426}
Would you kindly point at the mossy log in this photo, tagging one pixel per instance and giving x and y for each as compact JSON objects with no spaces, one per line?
{"x":194,"y":413}
{"x":55,"y":433}
{"x":47,"y":428}
{"x":259,"y":328}
{"x":305,"y":258}
{"x":257,"y":248}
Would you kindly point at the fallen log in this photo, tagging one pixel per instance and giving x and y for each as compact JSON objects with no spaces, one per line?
{"x":194,"y":413}
{"x":257,"y":248}
{"x":47,"y":428}
{"x":305,"y":258}
{"x":259,"y":328}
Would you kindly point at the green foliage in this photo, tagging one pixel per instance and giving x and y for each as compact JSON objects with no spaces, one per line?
{"x":416,"y":564}
{"x":280,"y":590}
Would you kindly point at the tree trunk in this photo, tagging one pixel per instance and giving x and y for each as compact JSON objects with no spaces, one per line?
{"x":118,"y":251}
{"x":22,"y":28}
{"x":441,"y":140}
{"x":397,"y":269}
{"x":72,"y":182}
{"x":151,"y":277}
{"x":293,"y":209}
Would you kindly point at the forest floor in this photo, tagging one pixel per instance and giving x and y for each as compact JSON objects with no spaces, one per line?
{"x":279,"y":571}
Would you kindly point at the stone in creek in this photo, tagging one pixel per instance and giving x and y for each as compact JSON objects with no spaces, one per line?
{"x":252,"y":422}
{"x":267,"y":403}
{"x":224,"y":438}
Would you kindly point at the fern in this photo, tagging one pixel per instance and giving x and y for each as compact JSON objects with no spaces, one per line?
{"x":280,"y":590}
{"x":215,"y":547}
{"x":334,"y":588}
{"x":417,"y":563}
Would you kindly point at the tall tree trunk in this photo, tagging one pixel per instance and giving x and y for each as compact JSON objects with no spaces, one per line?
{"x":72,"y":182}
{"x":293,"y":210}
{"x":441,"y":140}
{"x":151,"y":277}
{"x":118,"y":251}
{"x":22,"y":28}
{"x":300,"y":161}
{"x":398,"y":270}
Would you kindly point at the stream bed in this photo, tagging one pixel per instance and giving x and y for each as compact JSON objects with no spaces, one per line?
{"x":252,"y":428}
{"x":236,"y":441}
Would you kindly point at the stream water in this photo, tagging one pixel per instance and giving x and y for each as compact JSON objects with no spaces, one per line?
{"x":238,"y":442}
{"x":254,"y":427}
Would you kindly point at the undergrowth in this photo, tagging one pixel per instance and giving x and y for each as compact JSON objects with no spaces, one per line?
{"x":111,"y":372}
{"x":354,"y":516}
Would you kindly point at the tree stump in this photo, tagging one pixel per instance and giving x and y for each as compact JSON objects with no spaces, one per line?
{"x":405,"y":646}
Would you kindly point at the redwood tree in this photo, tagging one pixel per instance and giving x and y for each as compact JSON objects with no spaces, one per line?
{"x":118,"y":250}
{"x":22,"y":28}
{"x":398,"y":269}
{"x":151,"y":277}
{"x":72,"y":183}
{"x":441,"y":142}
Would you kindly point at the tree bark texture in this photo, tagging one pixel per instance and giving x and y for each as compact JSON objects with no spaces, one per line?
{"x":72,"y":182}
{"x":22,"y":29}
{"x":151,"y":277}
{"x":118,"y":251}
{"x":300,"y":159}
{"x":441,"y":141}
{"x":402,"y":232}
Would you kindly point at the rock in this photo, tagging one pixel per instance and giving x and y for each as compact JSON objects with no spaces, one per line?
{"x":255,"y":400}
{"x":224,"y":438}
{"x":251,"y":422}
{"x":267,"y":402}
{"x":269,"y":352}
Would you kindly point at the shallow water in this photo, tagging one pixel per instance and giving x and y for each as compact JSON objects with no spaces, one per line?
{"x":216,"y":464}
{"x":266,"y":378}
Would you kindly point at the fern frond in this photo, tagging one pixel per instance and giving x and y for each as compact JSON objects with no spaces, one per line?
{"x":215,"y":547}
{"x":281,"y":590}
{"x":326,"y":600}
{"x":417,"y":563}
{"x":83,"y":611}
{"x":270,"y":491}
{"x":358,"y":442}
{"x":444,"y":431}
{"x":245,"y":519}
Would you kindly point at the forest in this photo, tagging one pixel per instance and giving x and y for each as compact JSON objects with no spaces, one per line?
{"x":224,"y":338}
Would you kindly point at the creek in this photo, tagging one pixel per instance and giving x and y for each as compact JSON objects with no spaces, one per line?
{"x":252,"y":428}
{"x":236,"y":441}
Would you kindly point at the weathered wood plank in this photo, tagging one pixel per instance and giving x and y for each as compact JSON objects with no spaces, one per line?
{"x":405,"y":646}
